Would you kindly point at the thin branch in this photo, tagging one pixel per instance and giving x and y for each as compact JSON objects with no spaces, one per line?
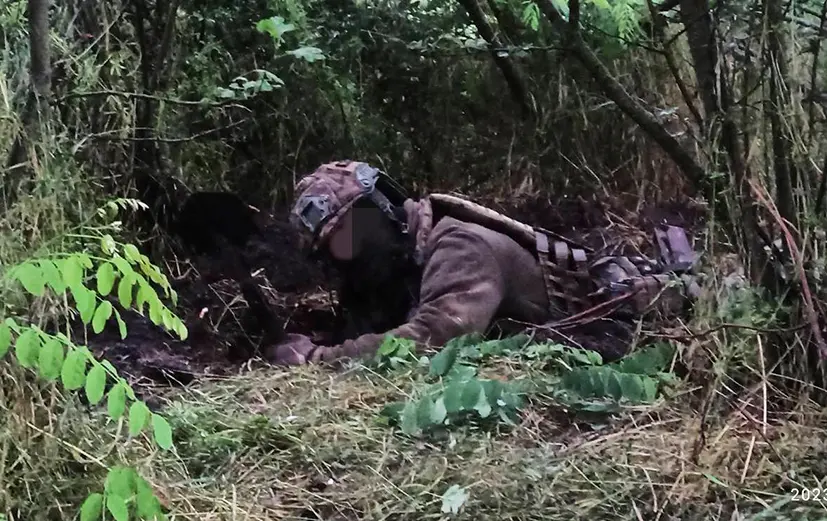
{"x":94,"y":43}
{"x":507,"y":23}
{"x":103,"y":137}
{"x":460,"y":51}
{"x":819,"y":31}
{"x":631,"y":43}
{"x":513,"y":77}
{"x":721,"y":327}
{"x":765,"y":200}
{"x":673,"y":67}
{"x":822,"y":187}
{"x":631,"y":107}
{"x":807,"y":10}
{"x":152,"y":97}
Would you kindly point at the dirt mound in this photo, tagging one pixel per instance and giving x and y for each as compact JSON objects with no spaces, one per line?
{"x":221,"y":248}
{"x":276,"y":250}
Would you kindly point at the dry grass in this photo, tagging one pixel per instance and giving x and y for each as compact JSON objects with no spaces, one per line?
{"x":306,"y":443}
{"x":282,"y":444}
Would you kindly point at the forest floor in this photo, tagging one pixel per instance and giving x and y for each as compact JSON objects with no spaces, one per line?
{"x":260,"y":442}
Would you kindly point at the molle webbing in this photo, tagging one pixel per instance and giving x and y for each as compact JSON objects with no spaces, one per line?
{"x":567,"y":278}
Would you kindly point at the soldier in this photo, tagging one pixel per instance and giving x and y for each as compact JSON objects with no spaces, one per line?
{"x":441,"y":267}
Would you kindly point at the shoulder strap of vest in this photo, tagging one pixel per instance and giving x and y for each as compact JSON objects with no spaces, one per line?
{"x":469,"y":211}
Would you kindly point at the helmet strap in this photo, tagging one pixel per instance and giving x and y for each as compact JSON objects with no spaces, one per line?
{"x":393,"y":212}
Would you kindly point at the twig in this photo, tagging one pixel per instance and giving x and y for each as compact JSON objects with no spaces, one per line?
{"x":591,"y":314}
{"x":434,"y":50}
{"x":140,"y":95}
{"x":748,"y":459}
{"x":632,"y":43}
{"x":673,"y":66}
{"x":761,"y":432}
{"x":102,"y":136}
{"x":719,"y":327}
{"x":761,"y":359}
{"x":822,"y":187}
{"x":97,"y":40}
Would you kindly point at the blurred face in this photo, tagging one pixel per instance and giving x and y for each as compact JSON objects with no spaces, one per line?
{"x":362,"y":230}
{"x":340,"y":243}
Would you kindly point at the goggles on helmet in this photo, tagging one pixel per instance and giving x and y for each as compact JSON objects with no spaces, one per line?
{"x":312,"y":212}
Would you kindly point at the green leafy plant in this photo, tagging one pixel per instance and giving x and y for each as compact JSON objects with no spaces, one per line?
{"x":125,"y":495}
{"x":243,"y":87}
{"x":394,"y":353}
{"x":614,"y":25}
{"x":458,"y":395}
{"x":455,"y":393}
{"x":635,"y":379}
{"x":531,"y":15}
{"x":89,"y":278}
{"x":277,"y":27}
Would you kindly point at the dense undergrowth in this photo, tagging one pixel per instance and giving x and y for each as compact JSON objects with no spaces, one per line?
{"x":717,"y":418}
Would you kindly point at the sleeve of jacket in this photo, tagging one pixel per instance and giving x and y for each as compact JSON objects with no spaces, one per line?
{"x":462,"y":288}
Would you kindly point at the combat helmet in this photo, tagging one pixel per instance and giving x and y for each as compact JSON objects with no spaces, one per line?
{"x":325,"y":195}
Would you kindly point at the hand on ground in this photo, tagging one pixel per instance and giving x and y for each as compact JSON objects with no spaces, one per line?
{"x":295,"y":349}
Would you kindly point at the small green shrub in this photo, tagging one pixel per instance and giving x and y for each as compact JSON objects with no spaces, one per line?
{"x":89,"y":278}
{"x":454,"y":393}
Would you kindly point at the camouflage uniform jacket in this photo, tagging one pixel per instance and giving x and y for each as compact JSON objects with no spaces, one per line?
{"x":471,"y":276}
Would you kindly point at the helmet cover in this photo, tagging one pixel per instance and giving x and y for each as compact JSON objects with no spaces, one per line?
{"x":324,"y":196}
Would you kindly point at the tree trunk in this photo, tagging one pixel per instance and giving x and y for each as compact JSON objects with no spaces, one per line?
{"x":786,"y":175}
{"x":512,"y":76}
{"x":715,"y":96}
{"x":39,"y":42}
{"x":35,"y":113}
{"x":155,"y":40}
